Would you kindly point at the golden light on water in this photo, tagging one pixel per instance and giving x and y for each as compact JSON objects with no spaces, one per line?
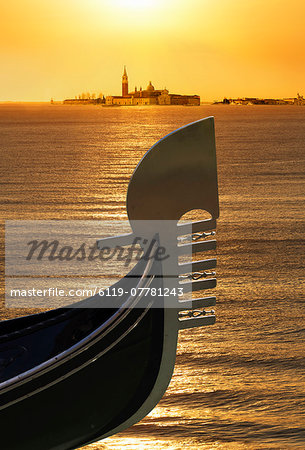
{"x":240,"y":383}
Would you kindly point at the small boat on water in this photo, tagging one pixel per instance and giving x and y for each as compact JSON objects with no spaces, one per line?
{"x":78,"y":374}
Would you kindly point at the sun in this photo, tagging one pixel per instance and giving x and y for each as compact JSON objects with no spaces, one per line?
{"x":134,"y":15}
{"x":137,"y":4}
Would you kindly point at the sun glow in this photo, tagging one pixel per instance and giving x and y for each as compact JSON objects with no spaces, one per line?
{"x":214,"y":49}
{"x":142,"y":4}
{"x":134,"y":15}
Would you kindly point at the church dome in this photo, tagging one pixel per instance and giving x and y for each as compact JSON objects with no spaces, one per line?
{"x":150,"y":87}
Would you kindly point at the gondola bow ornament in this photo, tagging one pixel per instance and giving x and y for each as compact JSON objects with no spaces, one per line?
{"x":74,"y":375}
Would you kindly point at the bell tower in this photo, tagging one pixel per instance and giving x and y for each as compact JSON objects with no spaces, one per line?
{"x":124,"y":83}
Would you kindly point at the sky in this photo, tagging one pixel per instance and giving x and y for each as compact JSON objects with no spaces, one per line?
{"x":212,"y":48}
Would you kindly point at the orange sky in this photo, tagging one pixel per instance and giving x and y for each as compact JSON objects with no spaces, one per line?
{"x":214,"y":48}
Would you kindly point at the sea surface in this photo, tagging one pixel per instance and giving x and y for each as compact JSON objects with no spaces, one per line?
{"x":239,"y":384}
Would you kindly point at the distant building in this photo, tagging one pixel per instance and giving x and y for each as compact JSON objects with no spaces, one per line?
{"x":300,"y":101}
{"x":84,"y":101}
{"x":264,"y":101}
{"x":149,"y":96}
{"x":125,"y":83}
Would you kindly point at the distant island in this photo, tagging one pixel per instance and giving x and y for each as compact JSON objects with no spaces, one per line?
{"x":298,"y":100}
{"x":152,"y":96}
{"x":148,"y":96}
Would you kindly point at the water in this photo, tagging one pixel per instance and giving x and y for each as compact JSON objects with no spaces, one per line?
{"x":238,"y":384}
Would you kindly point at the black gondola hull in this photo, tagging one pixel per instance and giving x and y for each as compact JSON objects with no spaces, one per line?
{"x":95,"y":399}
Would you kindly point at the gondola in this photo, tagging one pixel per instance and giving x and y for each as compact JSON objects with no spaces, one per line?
{"x":74,"y":375}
